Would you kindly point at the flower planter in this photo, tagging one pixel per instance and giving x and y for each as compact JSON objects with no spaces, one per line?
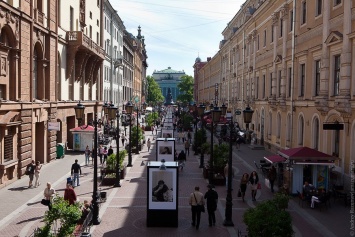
{"x":218,"y":177}
{"x":109,"y":181}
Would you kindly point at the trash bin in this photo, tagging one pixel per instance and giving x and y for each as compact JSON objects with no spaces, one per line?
{"x":60,"y":150}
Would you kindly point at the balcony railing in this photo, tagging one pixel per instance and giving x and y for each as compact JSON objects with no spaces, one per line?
{"x":38,"y":16}
{"x":78,"y":38}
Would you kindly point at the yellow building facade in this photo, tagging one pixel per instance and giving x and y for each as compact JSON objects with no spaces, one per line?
{"x":292,"y":63}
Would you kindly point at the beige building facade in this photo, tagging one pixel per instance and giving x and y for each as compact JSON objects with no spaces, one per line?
{"x":292,"y":63}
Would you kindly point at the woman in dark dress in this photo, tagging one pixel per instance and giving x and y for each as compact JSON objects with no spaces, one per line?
{"x":243,"y":184}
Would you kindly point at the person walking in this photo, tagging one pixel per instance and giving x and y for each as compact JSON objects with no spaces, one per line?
{"x":123,"y":139}
{"x":153,"y":130}
{"x":149,"y":143}
{"x":75,"y":171}
{"x":87,"y":155}
{"x":69,"y":194}
{"x":48,"y":194}
{"x":189,"y":136}
{"x":181,"y":159}
{"x":37,"y":173}
{"x":272,"y":177}
{"x":100,"y":153}
{"x":187,"y":147}
{"x":183,"y":135}
{"x":104,"y":154}
{"x":110,"y":151}
{"x":30,"y":171}
{"x":196,"y":198}
{"x":243,"y":184}
{"x":254,"y":180}
{"x":212,"y":198}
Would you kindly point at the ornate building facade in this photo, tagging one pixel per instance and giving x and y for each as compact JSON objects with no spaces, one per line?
{"x":291,"y":61}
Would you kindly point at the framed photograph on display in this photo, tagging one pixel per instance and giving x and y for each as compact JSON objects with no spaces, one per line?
{"x":168,"y":125}
{"x":167,"y":133}
{"x":165,"y":149}
{"x":162,"y":188}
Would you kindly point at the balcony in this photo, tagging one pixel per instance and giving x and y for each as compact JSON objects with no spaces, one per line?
{"x":38,"y":16}
{"x":86,"y":54}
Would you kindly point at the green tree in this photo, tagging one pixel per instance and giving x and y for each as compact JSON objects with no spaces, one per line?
{"x":154,"y":92}
{"x":186,"y":87}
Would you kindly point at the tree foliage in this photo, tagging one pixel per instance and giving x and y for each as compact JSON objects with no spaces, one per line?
{"x":186,"y":87}
{"x":154,"y":92}
{"x":151,"y":118}
{"x":269,"y":218}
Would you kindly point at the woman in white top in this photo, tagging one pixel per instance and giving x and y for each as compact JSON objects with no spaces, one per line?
{"x":37,"y":172}
{"x":49,"y":194}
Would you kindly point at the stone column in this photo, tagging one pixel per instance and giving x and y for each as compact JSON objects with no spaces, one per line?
{"x":254,"y":34}
{"x":284,"y":18}
{"x":275,"y":22}
{"x":324,"y":74}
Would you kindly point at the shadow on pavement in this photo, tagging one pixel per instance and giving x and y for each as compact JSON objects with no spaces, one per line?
{"x":19,"y":188}
{"x":31,"y":219}
{"x":33,"y":203}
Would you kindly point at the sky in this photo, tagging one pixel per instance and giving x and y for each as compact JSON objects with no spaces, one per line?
{"x":176,"y":32}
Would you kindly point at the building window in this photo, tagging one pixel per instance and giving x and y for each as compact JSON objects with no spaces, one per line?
{"x":97,"y":38}
{"x":105,"y":24}
{"x":258,"y":42}
{"x":270,"y":87}
{"x":272,"y":34}
{"x":315,"y":134}
{"x":263,"y":87}
{"x":289,"y":81}
{"x":98,"y":3}
{"x":35,"y":75}
{"x":337,"y":2}
{"x":304,"y":13}
{"x":300,"y":131}
{"x":336,"y":74}
{"x":281,"y":27}
{"x":302,"y":79}
{"x":90,"y":15}
{"x":291,"y":20}
{"x":71,"y":19}
{"x":59,"y":12}
{"x":317,"y":78}
{"x":97,"y":22}
{"x":336,"y":143}
{"x":264,"y":38}
{"x":319,"y":7}
{"x":279,"y":84}
{"x":278,"y":128}
{"x":8,"y":144}
{"x":257,"y":88}
{"x":90,"y":32}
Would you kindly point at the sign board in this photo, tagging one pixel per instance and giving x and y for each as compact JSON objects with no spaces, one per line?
{"x":238,"y":112}
{"x":333,"y":126}
{"x":53,"y":126}
{"x":229,"y":116}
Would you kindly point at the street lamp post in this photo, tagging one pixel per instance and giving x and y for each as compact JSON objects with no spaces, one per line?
{"x":215,"y":115}
{"x":112,"y":113}
{"x":79,"y":113}
{"x":200,"y":111}
{"x":129,"y":108}
{"x":137,"y":142}
{"x":228,"y":212}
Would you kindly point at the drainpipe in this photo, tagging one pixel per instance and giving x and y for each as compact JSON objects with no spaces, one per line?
{"x":293,"y":68}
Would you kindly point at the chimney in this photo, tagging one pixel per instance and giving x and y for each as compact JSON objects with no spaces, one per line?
{"x":208,"y":59}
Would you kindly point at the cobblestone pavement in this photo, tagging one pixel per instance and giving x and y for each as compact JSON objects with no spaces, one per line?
{"x":124,"y":212}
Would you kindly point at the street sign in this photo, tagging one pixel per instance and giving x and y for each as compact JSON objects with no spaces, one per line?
{"x":238,"y":112}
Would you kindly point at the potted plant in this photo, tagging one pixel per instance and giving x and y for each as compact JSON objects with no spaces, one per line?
{"x":134,"y":138}
{"x":149,"y":120}
{"x":109,"y":172}
{"x":220,"y":159}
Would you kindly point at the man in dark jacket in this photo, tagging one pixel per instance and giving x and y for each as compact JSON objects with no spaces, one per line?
{"x":212,"y":198}
{"x":75,"y":171}
{"x":30,"y":170}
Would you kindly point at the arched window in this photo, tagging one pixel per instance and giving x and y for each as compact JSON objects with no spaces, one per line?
{"x":270,"y":124}
{"x":278,"y":127}
{"x":59,"y":78}
{"x":300,"y":130}
{"x":315,"y":133}
{"x":288,"y":128}
{"x":35,"y":75}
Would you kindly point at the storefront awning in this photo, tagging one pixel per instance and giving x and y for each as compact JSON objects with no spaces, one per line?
{"x":274,"y":159}
{"x":306,"y":155}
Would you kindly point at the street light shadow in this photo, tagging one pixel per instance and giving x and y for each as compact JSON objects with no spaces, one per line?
{"x":33,"y":203}
{"x":18,"y":188}
{"x":30,"y":219}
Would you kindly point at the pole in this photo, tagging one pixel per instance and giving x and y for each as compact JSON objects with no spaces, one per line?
{"x":95,"y":218}
{"x":137,"y":150}
{"x":211,"y":155}
{"x":228,"y":213}
{"x":129,"y":144}
{"x":118,"y":168}
{"x":202,"y":158}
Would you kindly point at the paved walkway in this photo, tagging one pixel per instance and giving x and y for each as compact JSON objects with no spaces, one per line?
{"x":124,"y":212}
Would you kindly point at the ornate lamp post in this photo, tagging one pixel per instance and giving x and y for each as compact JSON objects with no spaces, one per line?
{"x":129,"y":109}
{"x":79,"y":113}
{"x":215,"y":115}
{"x":200,"y":111}
{"x":228,"y":212}
{"x":105,"y":106}
{"x":247,"y":115}
{"x":112,"y":113}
